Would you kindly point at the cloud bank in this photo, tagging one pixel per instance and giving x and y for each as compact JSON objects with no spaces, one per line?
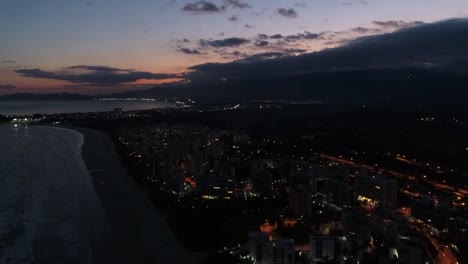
{"x":440,"y":46}
{"x":95,"y":75}
{"x":7,"y":87}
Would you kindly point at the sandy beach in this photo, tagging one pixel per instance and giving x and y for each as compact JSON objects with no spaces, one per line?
{"x":139,"y":232}
{"x":65,"y":198}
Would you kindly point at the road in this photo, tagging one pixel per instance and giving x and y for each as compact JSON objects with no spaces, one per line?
{"x":445,"y":254}
{"x":459,"y":192}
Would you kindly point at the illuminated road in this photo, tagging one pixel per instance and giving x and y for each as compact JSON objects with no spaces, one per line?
{"x":459,"y":192}
{"x":445,"y":254}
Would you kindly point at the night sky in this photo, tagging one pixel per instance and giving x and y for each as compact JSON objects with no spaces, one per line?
{"x":104,"y":46}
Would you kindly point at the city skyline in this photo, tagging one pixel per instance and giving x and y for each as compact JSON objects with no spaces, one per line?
{"x":97,"y":47}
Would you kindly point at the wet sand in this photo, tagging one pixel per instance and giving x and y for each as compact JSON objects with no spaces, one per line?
{"x":138,"y":232}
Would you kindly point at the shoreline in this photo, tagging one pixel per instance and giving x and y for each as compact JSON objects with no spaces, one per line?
{"x":28,"y":108}
{"x":139,"y":232}
{"x":50,"y":210}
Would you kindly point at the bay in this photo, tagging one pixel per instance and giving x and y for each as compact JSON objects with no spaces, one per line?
{"x":82,"y":106}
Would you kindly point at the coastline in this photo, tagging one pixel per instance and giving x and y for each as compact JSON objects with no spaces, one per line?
{"x":50,"y":210}
{"x":139,"y":233}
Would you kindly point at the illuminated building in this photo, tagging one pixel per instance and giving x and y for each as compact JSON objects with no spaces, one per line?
{"x":215,"y":186}
{"x":386,"y":190}
{"x":379,"y":188}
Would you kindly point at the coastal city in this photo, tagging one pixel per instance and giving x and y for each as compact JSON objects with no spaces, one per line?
{"x":250,"y":195}
{"x":234,"y":132}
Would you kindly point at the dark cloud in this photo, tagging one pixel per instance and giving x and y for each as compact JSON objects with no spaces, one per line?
{"x":396,"y":23}
{"x":362,"y":30}
{"x":289,"y":13}
{"x":294,"y":51}
{"x":249,"y":26}
{"x":270,"y":55}
{"x":189,"y":51}
{"x":276,"y":36}
{"x":200,"y":7}
{"x":262,"y":56}
{"x":8,"y":61}
{"x":233,"y":18}
{"x":182,"y":41}
{"x":237,"y":53}
{"x":7,"y":87}
{"x":262,"y":36}
{"x":301,"y":36}
{"x":294,"y":37}
{"x":223,"y":43}
{"x":439,"y":45}
{"x":262,"y":43}
{"x":238,"y":4}
{"x":392,"y":23}
{"x":95,"y":75}
{"x":96,"y":68}
{"x":263,"y":11}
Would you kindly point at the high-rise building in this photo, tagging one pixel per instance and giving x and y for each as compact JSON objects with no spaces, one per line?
{"x":362,"y":182}
{"x":357,"y":224}
{"x":177,"y":149}
{"x":380,"y":188}
{"x":175,"y":180}
{"x":262,"y":182}
{"x":278,"y":252}
{"x":386,"y":190}
{"x":298,"y":201}
{"x":337,"y":192}
{"x":411,"y":250}
{"x":385,"y":228}
{"x":256,"y":242}
{"x":213,"y":186}
{"x":328,"y":248}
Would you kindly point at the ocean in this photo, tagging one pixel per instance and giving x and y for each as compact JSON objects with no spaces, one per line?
{"x":55,"y":208}
{"x":82,"y":106}
{"x":48,"y":207}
